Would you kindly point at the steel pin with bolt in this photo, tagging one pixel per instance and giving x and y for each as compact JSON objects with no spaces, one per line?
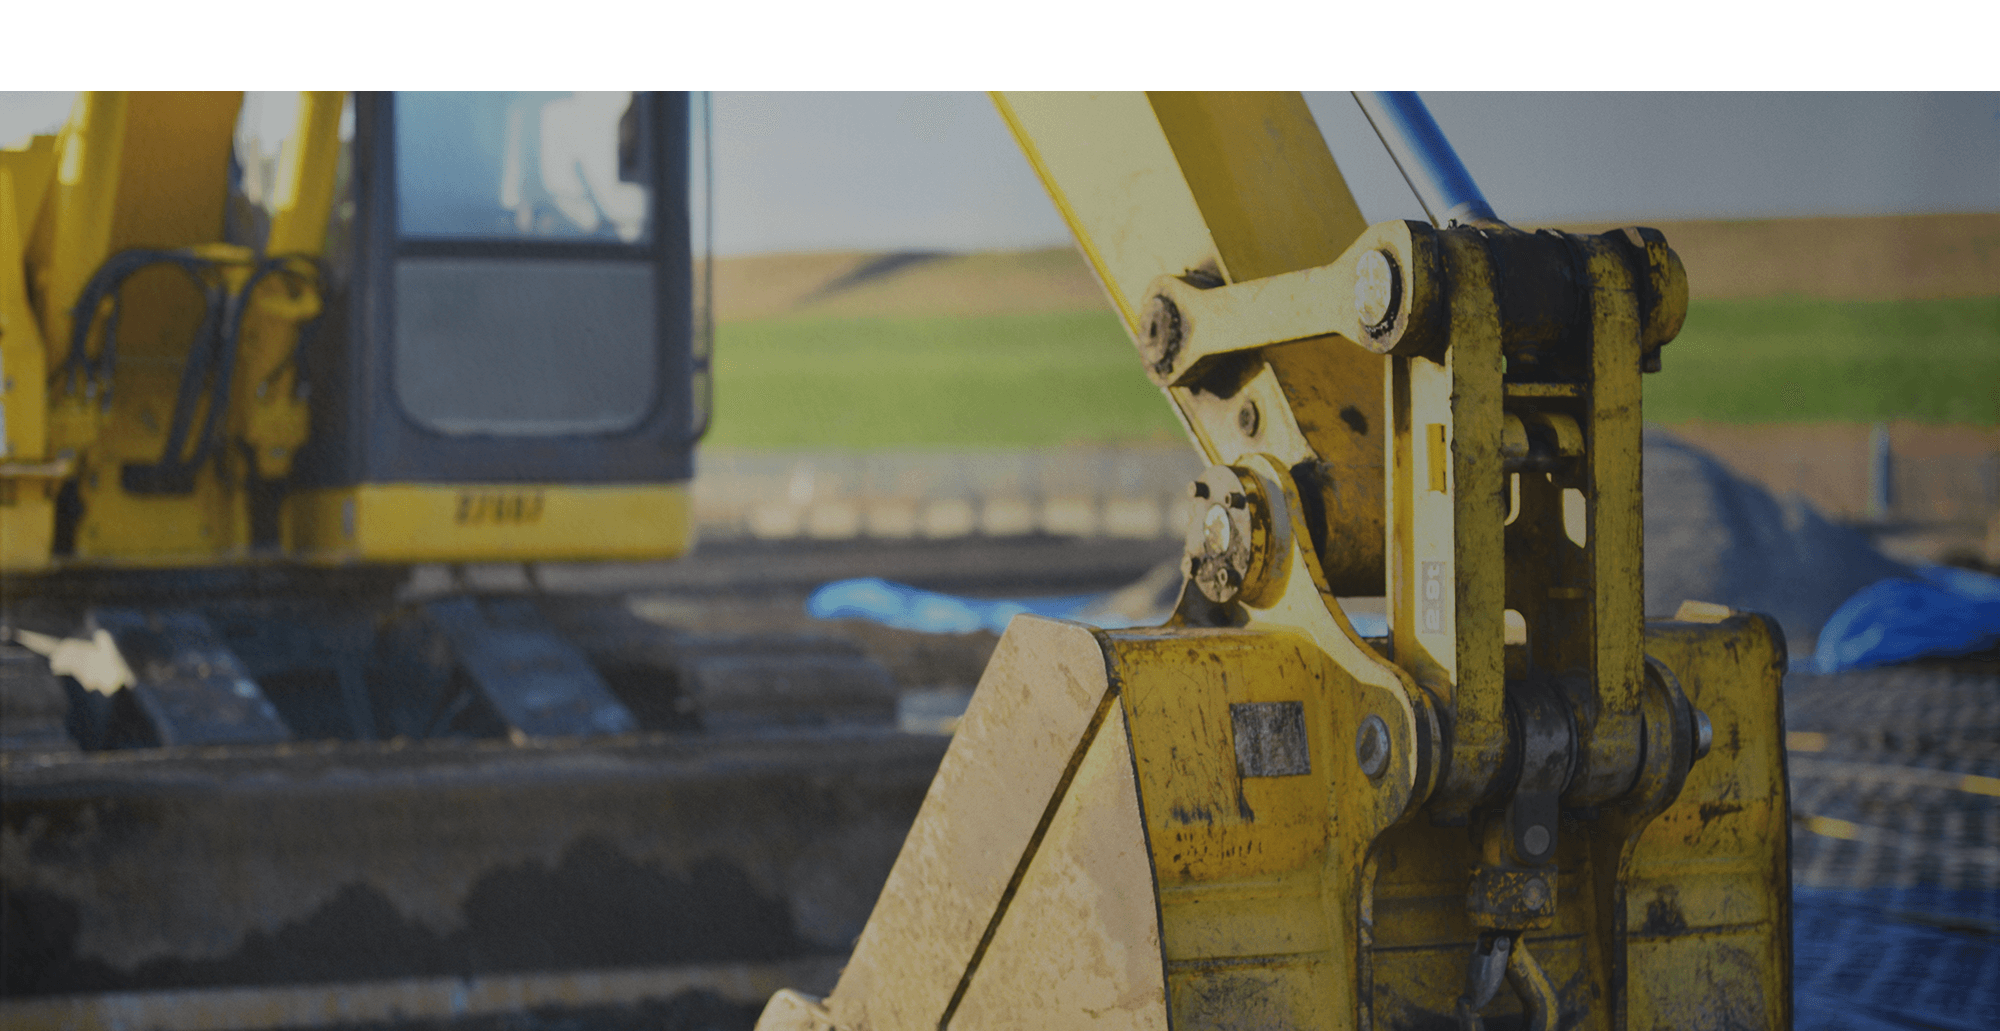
{"x":1378,"y":291}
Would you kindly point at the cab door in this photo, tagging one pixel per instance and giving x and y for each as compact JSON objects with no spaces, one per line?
{"x":516,"y":376}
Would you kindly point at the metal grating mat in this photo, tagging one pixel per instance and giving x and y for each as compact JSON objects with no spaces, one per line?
{"x":1889,"y":959}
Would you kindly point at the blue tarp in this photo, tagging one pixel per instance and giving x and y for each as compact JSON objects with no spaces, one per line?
{"x":1942,"y":612}
{"x":908,"y":608}
{"x":911,"y":608}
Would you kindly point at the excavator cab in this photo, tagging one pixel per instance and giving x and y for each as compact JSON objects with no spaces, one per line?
{"x":413,"y":327}
{"x":265,"y":352}
{"x":515,"y":374}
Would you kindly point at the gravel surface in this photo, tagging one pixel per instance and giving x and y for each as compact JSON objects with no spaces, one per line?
{"x":1895,"y":779}
{"x":688,"y":1011}
{"x":1896,"y":864}
{"x":1713,"y":536}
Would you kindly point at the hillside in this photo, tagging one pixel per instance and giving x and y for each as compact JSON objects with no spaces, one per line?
{"x":1885,"y":258}
{"x":1908,"y":257}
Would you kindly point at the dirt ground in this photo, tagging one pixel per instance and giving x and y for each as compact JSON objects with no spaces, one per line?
{"x":1906,"y":257}
{"x":1889,"y":257}
{"x":760,"y":587}
{"x":1944,"y":480}
{"x":1938,"y":473}
{"x":1870,"y":753}
{"x":1907,"y":871}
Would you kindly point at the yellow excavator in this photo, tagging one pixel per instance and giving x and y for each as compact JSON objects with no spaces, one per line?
{"x":1527,"y":805}
{"x":454,"y":328}
{"x":263,"y":352}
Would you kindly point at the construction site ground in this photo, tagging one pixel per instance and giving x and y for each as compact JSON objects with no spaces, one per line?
{"x":1895,"y":773}
{"x":1895,"y":780}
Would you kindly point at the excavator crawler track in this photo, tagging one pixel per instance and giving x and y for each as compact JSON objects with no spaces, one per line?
{"x":454,"y":870}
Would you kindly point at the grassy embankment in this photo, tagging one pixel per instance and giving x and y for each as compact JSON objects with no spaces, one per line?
{"x":1019,"y":350}
{"x":1799,"y":359}
{"x":993,"y":380}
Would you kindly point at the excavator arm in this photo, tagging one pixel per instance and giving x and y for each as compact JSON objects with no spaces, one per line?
{"x":1526,"y":802}
{"x":114,"y":224}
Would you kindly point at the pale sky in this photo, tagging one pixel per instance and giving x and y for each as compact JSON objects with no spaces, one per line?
{"x":939,"y":171}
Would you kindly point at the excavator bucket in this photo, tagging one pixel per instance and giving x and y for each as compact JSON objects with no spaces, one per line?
{"x":1024,"y":890}
{"x":1122,"y":838}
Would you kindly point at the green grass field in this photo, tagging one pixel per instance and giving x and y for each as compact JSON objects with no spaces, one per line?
{"x":1798,"y":360}
{"x":1072,"y":377}
{"x":998,"y":381}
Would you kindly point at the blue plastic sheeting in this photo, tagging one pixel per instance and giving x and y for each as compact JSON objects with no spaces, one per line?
{"x":1944,"y":612}
{"x":910,"y":608}
{"x":1890,"y":959}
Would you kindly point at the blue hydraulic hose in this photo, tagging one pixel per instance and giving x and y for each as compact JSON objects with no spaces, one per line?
{"x":1425,"y":158}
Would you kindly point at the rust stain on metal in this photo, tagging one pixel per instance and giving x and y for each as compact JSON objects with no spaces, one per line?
{"x":1663,"y":914}
{"x":1711,"y":810}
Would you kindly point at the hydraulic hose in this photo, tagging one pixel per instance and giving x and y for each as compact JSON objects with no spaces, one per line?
{"x":1425,"y":157}
{"x":211,"y":357}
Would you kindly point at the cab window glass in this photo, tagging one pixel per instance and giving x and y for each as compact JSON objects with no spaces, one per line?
{"x":515,"y":166}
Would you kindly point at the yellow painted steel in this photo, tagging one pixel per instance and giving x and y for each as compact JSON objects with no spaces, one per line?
{"x":27,"y":522}
{"x":1235,"y":188}
{"x":306,"y":179}
{"x":1444,"y":548}
{"x":271,"y":415}
{"x":131,"y":170}
{"x":24,"y":177}
{"x":74,"y":233}
{"x":489,"y":523}
{"x":72,"y":237}
{"x":1336,"y":825}
{"x":1704,"y":892}
{"x":28,"y":479}
{"x":1259,"y":876}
